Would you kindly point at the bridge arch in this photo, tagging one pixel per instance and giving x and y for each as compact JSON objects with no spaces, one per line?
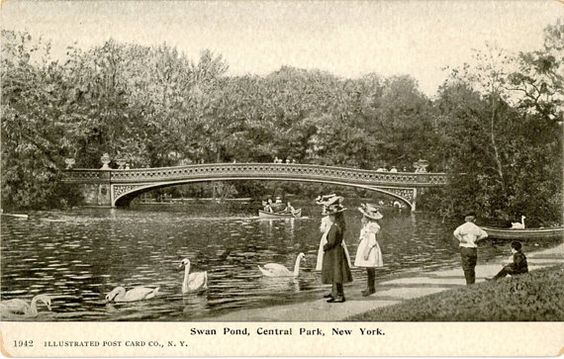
{"x":124,"y":196}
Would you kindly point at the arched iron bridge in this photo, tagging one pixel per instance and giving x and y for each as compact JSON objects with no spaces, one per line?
{"x":117,"y":187}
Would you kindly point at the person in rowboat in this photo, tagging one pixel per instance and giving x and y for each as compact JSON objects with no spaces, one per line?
{"x":268,"y":206}
{"x":289,"y":208}
{"x":278,"y":206}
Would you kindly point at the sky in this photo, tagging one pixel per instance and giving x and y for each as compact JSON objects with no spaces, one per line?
{"x":346,"y":38}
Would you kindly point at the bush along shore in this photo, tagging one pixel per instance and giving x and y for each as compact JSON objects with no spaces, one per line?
{"x":535,"y":296}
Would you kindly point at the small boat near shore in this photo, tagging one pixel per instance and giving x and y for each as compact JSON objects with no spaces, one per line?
{"x":524,"y":234}
{"x":16,"y":215}
{"x":295,"y":214}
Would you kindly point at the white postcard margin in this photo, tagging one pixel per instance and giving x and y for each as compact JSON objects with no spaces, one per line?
{"x":172,"y":339}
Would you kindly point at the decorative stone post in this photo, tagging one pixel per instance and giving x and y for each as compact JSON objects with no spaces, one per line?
{"x":105,"y":159}
{"x":421,"y":166}
{"x":70,"y":163}
{"x":121,"y":163}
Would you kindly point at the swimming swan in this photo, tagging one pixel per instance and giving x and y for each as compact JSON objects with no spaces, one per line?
{"x":119,"y":294}
{"x":193,"y":282}
{"x":20,"y":307}
{"x":519,"y":225}
{"x":278,"y":270}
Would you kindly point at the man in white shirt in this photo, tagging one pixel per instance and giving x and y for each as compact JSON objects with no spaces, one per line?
{"x":468,"y":234}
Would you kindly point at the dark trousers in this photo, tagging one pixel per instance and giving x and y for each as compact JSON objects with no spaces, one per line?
{"x":508,"y":269}
{"x":337,"y":291}
{"x":469,"y":257}
{"x":371,"y":274}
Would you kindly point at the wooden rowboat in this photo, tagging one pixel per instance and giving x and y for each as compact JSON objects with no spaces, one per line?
{"x":524,"y":234}
{"x":296,"y":214}
{"x":16,"y":215}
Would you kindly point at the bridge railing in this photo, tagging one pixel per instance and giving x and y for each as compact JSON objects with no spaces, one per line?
{"x":82,"y":175}
{"x":255,"y":170}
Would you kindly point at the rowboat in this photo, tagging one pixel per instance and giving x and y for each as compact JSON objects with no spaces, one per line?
{"x":16,"y":215}
{"x":524,"y":234}
{"x":295,"y":214}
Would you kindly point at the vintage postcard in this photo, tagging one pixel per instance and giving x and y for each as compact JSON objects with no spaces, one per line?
{"x":282,"y":178}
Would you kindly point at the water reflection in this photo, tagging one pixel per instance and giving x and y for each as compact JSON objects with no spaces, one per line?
{"x":78,"y":257}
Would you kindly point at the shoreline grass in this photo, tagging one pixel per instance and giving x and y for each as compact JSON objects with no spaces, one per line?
{"x":535,"y":296}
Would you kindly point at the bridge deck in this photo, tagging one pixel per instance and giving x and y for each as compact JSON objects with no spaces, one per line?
{"x":276,"y":171}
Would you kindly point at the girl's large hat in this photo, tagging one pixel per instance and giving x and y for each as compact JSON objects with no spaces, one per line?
{"x":333,"y":205}
{"x":370,"y":211}
{"x":322,"y":200}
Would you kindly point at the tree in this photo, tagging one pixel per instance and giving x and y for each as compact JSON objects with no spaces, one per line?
{"x":502,"y":131}
{"x":32,"y":154}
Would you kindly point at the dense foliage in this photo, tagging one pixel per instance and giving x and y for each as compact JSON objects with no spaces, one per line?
{"x":534,"y":296}
{"x":497,"y":122}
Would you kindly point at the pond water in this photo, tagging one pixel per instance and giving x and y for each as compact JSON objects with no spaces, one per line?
{"x":78,"y":256}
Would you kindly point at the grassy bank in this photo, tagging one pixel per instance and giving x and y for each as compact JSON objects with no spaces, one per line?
{"x":536,"y":296}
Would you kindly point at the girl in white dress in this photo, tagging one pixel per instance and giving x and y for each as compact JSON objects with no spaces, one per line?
{"x":368,"y":253}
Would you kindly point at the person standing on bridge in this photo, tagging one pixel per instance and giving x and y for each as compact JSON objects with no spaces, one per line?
{"x":467,"y":235}
{"x":335,"y":267}
{"x":368,"y":253}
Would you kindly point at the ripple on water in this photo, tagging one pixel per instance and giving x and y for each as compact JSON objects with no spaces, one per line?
{"x":100,"y":249}
{"x":80,"y":265}
{"x":26,"y":279}
{"x":10,"y":293}
{"x":80,"y":277}
{"x":56,"y":264}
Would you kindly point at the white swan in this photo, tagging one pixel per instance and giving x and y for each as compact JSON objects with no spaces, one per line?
{"x":20,"y":307}
{"x":519,"y":225}
{"x":193,"y":282}
{"x":278,"y":270}
{"x":119,"y":294}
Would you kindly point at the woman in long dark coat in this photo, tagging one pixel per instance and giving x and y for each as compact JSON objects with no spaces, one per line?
{"x":335,"y":269}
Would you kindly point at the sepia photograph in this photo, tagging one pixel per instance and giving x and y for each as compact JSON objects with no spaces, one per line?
{"x":301,"y":170}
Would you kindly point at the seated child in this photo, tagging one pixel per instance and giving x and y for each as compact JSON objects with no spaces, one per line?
{"x":519,"y":265}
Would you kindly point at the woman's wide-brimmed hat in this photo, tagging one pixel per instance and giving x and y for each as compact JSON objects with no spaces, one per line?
{"x":333,"y":205}
{"x":370,"y":211}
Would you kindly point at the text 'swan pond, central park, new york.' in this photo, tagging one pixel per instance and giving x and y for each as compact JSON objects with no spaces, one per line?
{"x":265,"y":178}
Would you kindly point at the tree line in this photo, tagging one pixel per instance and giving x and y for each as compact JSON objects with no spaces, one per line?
{"x":496,"y":121}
